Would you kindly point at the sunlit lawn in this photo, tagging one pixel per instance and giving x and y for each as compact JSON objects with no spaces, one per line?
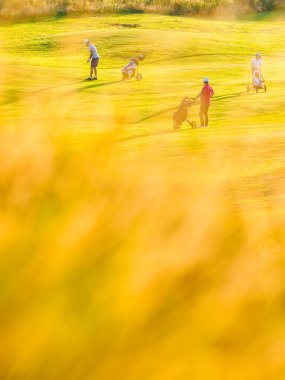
{"x":129,"y":250}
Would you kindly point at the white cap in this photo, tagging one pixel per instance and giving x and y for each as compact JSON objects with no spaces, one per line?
{"x":86,"y":41}
{"x":206,"y":80}
{"x":258,"y":54}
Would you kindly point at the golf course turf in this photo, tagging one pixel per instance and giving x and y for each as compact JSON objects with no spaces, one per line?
{"x":130,"y":251}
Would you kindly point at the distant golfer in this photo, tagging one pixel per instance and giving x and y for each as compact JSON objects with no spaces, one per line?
{"x":256,"y":64}
{"x":205,"y":99}
{"x":93,"y":59}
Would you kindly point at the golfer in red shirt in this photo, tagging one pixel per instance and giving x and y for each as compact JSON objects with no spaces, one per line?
{"x":205,"y":98}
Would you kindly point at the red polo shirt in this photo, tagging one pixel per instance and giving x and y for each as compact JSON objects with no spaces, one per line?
{"x":207,"y":93}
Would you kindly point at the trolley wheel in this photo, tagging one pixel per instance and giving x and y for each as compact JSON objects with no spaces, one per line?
{"x":247,"y":88}
{"x":256,"y":90}
{"x":194,"y":124}
{"x":265,"y":88}
{"x":139,"y":77}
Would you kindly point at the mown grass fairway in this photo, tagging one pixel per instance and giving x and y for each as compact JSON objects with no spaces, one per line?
{"x":44,"y":70}
{"x":130,"y":251}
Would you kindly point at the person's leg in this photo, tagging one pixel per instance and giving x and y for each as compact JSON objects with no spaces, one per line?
{"x":91,"y":71}
{"x":96,"y":61}
{"x":201,"y":114}
{"x":92,"y":68}
{"x":206,"y":117}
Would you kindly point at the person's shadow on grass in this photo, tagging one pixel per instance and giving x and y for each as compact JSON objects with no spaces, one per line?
{"x":143,"y":135}
{"x":16,"y":98}
{"x":214,"y":100}
{"x":93,"y":85}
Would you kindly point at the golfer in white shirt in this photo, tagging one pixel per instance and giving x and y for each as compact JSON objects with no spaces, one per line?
{"x":93,"y":59}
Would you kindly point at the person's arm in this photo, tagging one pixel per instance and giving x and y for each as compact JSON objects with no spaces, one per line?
{"x":90,"y":56}
{"x":212,"y":93}
{"x":198,"y":96}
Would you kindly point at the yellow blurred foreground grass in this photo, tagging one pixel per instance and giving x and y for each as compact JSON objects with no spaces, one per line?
{"x":129,"y":251}
{"x":135,"y":271}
